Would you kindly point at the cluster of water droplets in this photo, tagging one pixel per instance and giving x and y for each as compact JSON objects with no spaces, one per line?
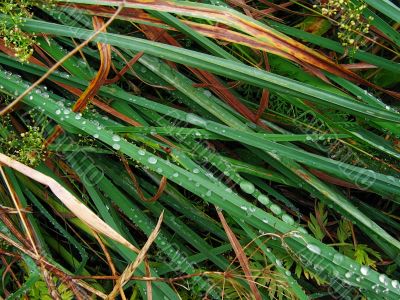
{"x":249,"y":188}
{"x":357,"y":273}
{"x":39,"y":93}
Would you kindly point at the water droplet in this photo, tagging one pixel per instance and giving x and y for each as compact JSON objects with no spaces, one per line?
{"x":302,"y":230}
{"x":175,"y":174}
{"x":58,"y":112}
{"x":382,"y":278}
{"x":196,"y":171}
{"x":337,"y":258}
{"x":228,"y":190}
{"x":243,"y":207}
{"x":364,"y":270}
{"x":314,"y":248}
{"x":287,"y":219}
{"x":207,"y":93}
{"x":116,"y":146}
{"x":96,"y":136}
{"x":348,"y":274}
{"x":195,"y":120}
{"x":265,"y":221}
{"x":252,"y":210}
{"x":152,"y":160}
{"x":116,"y":138}
{"x":142,"y":152}
{"x":275,"y":209}
{"x":247,"y":187}
{"x":263,"y":199}
{"x":395,"y":284}
{"x":278,"y":263}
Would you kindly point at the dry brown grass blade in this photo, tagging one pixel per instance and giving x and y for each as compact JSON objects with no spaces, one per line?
{"x":109,"y":260}
{"x":24,"y":220}
{"x":216,"y":32}
{"x":249,"y":10}
{"x":11,"y":210}
{"x":102,"y":73}
{"x":126,"y":275}
{"x":161,"y":186}
{"x":244,"y":262}
{"x":96,"y":82}
{"x":149,"y":286}
{"x":265,"y":93}
{"x":10,"y":106}
{"x":70,"y":201}
{"x":65,"y":278}
{"x":128,"y":66}
{"x":30,"y":233}
{"x":276,"y":41}
{"x":210,"y":80}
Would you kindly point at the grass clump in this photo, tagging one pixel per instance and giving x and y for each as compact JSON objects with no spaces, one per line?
{"x":199,"y":150}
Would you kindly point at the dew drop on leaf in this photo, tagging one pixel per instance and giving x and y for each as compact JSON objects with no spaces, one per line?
{"x":337,"y":258}
{"x":195,"y":120}
{"x":275,"y":209}
{"x":287,"y":219}
{"x":247,"y":187}
{"x":314,"y":248}
{"x":382,"y":278}
{"x":207,"y":93}
{"x":244,"y":208}
{"x":263,"y":199}
{"x":364,"y":270}
{"x":395,"y":284}
{"x":152,"y":160}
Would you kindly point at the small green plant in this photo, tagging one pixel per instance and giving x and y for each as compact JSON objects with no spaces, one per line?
{"x":351,"y":23}
{"x":28,"y":148}
{"x":14,"y":38}
{"x":318,"y":222}
{"x":360,"y":252}
{"x":40,"y":291}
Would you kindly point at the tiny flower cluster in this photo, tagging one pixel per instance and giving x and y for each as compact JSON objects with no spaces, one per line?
{"x":14,"y":38}
{"x":349,"y":16}
{"x":29,"y":149}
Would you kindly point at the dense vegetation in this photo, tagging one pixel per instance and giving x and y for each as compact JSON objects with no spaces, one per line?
{"x":208,"y":149}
